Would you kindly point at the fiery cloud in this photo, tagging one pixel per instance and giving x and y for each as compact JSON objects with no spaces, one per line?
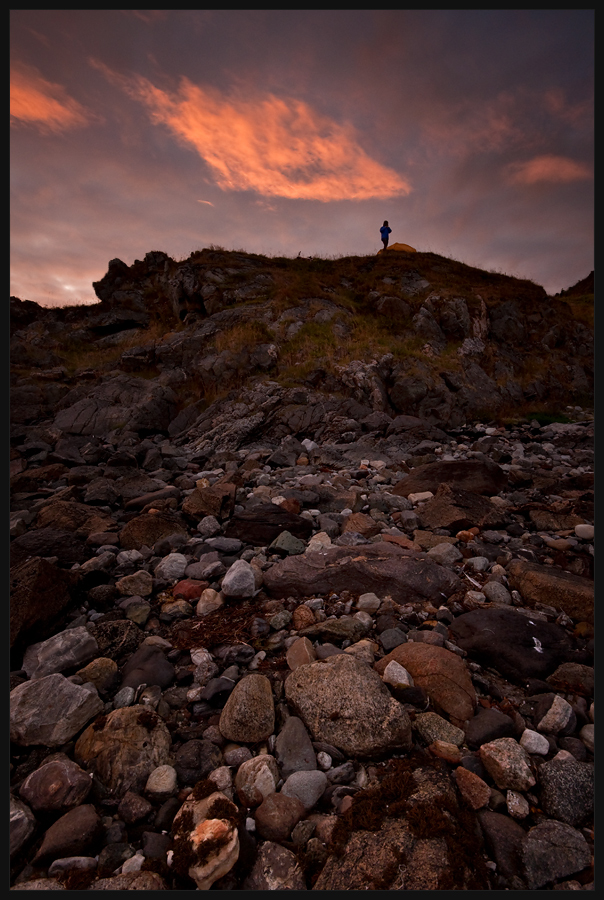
{"x":274,"y":146}
{"x":35,"y":101}
{"x":547,"y":168}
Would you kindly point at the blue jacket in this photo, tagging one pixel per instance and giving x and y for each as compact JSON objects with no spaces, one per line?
{"x":385,"y":231}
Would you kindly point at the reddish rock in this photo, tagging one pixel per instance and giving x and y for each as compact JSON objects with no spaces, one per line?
{"x":457,"y":509}
{"x":361,"y":524}
{"x":40,"y":592}
{"x":59,"y":785}
{"x":554,"y":587}
{"x":277,"y":816}
{"x":189,"y":589}
{"x":381,"y":568}
{"x":216,"y":500}
{"x":71,"y":835}
{"x":441,"y":673}
{"x":262,"y":524}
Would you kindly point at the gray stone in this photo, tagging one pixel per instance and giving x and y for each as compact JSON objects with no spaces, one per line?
{"x":50,"y":710}
{"x":307,"y":786}
{"x":239,"y":582}
{"x":22,"y":825}
{"x":293,"y":748}
{"x":65,"y":650}
{"x":567,"y":789}
{"x":553,"y":850}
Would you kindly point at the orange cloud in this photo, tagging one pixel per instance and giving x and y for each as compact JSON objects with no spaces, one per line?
{"x":33,"y":100}
{"x":277,"y":147}
{"x":547,"y":168}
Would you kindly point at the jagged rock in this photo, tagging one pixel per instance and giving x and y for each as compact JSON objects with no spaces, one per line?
{"x":146,"y":529}
{"x":553,"y":850}
{"x":456,"y":509}
{"x":64,"y":650}
{"x":50,"y":711}
{"x":22,"y":825}
{"x":342,"y":702}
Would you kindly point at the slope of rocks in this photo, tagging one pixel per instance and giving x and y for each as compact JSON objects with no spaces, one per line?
{"x":298,"y":638}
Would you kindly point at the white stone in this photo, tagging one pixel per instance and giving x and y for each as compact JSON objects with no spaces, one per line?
{"x":395,"y":674}
{"x":172,"y":567}
{"x":585,"y":532}
{"x":533,"y":742}
{"x":162,"y":781}
{"x":420,"y":497}
{"x":318,"y":542}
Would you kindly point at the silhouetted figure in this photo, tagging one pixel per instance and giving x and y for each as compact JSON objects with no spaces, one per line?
{"x":385,"y":231}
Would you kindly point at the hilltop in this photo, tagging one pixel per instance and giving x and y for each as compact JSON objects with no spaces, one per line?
{"x":402,"y":333}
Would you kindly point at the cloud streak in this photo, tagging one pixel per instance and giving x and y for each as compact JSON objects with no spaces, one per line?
{"x":36,"y":101}
{"x":277,"y":147}
{"x":547,"y":168}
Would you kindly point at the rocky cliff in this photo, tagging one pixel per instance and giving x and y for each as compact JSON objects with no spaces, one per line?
{"x":302,"y":579}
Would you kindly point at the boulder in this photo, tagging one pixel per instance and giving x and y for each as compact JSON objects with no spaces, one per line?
{"x":472,"y":475}
{"x":343,"y":702}
{"x":50,"y":711}
{"x":122,"y":749}
{"x":381,"y":568}
{"x":39,"y":593}
{"x":518,"y":646}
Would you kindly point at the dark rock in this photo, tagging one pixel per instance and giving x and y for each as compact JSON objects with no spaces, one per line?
{"x":488,"y":725}
{"x":473,"y":476}
{"x":148,"y":665}
{"x":513,"y":643}
{"x":264,"y":523}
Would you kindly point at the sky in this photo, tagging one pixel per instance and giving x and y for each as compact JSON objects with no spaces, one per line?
{"x":299,"y":131}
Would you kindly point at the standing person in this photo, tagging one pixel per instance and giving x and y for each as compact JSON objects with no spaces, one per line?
{"x":385,"y":231}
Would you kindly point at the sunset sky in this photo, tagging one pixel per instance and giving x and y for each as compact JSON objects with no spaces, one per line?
{"x":278,"y":132}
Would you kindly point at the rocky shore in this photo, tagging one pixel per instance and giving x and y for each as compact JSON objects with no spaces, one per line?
{"x":301,"y":591}
{"x":362,"y":661}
